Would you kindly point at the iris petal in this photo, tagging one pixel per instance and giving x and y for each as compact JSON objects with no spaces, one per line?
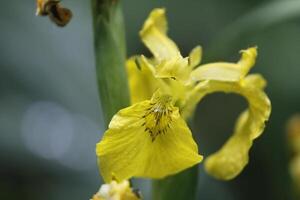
{"x":195,"y":56}
{"x":154,"y":36}
{"x":142,"y":83}
{"x":230,"y":160}
{"x":128,"y":148}
{"x":223,"y":71}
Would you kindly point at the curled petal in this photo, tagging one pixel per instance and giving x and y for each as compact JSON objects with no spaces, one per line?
{"x":154,"y":36}
{"x":223,"y":71}
{"x":148,"y":139}
{"x":230,"y":160}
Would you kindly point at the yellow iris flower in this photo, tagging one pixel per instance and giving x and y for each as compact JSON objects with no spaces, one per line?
{"x":150,"y":138}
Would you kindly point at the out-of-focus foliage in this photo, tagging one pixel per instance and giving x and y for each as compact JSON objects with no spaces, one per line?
{"x":50,"y":116}
{"x":293,"y":138}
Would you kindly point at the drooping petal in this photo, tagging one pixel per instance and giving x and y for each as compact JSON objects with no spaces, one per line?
{"x":154,"y":36}
{"x":223,"y":71}
{"x":230,"y":160}
{"x":148,"y":139}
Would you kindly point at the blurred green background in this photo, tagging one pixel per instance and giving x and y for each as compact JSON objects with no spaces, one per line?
{"x":50,"y":115}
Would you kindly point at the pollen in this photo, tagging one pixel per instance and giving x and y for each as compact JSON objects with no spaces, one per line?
{"x":157,"y":118}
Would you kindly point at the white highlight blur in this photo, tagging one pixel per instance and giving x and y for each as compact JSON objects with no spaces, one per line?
{"x":52,"y":132}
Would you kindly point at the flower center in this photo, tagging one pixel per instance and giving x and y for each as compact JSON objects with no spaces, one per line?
{"x":158,"y":116}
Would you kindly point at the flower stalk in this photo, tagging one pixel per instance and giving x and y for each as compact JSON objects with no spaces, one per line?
{"x":110,"y":53}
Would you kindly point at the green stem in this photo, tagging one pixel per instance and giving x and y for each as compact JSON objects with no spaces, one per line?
{"x":110,"y":53}
{"x":181,"y":186}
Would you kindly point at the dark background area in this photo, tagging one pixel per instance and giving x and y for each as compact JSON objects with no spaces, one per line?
{"x":50,"y":115}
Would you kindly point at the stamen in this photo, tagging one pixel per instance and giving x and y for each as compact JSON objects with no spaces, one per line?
{"x":158,"y":116}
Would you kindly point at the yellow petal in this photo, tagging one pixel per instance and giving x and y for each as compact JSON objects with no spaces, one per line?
{"x":195,"y":56}
{"x":148,"y":139}
{"x":174,"y":68}
{"x":154,"y":36}
{"x":248,"y":60}
{"x":230,"y":160}
{"x":167,"y":59}
{"x":223,"y":71}
{"x":142,"y":83}
{"x":256,"y":81}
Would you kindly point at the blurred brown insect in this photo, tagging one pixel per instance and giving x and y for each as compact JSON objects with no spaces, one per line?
{"x":59,"y":15}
